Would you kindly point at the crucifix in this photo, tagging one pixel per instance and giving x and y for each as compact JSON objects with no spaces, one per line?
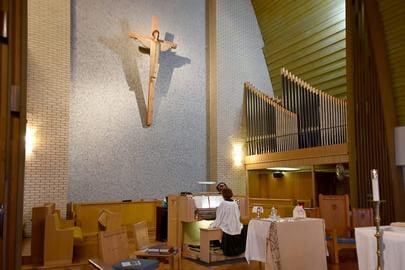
{"x":155,"y":46}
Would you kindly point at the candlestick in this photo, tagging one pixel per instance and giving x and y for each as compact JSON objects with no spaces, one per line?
{"x":374,"y":185}
{"x":378,"y":233}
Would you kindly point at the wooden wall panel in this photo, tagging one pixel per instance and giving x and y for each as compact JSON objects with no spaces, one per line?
{"x":392,"y":15}
{"x":372,"y":115}
{"x":306,"y":37}
{"x":293,"y":185}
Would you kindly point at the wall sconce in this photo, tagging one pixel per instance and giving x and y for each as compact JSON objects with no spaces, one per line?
{"x":237,"y":154}
{"x":399,"y":133}
{"x":29,"y":140}
{"x":3,"y":26}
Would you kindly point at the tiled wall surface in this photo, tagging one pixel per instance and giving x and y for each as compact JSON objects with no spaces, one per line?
{"x":46,"y":169}
{"x":240,"y":59}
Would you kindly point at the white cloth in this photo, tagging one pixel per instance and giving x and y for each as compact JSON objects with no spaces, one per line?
{"x":393,"y":248}
{"x":256,"y":240}
{"x":293,"y":243}
{"x":228,"y":218}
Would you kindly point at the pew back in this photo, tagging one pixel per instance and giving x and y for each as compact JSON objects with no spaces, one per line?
{"x":86,"y":215}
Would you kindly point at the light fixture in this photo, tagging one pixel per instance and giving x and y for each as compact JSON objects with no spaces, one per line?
{"x":283,"y":169}
{"x":29,"y":140}
{"x":278,"y":174}
{"x":237,"y":154}
{"x":3,"y":26}
{"x":400,"y":145}
{"x":205,"y":185}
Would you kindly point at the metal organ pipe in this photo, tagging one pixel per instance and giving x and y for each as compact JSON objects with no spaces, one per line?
{"x":304,"y":117}
{"x":270,"y":127}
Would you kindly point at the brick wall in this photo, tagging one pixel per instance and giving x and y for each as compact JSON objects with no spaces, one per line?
{"x":46,"y":169}
{"x":239,"y":59}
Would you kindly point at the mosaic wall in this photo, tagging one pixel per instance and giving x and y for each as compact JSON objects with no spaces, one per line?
{"x":113,"y":156}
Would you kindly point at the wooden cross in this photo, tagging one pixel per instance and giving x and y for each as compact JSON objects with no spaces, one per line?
{"x":155,"y":45}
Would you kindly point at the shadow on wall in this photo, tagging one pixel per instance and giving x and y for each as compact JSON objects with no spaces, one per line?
{"x":168,"y":61}
{"x":128,"y":51}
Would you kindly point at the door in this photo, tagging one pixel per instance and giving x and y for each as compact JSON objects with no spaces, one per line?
{"x":12,"y":129}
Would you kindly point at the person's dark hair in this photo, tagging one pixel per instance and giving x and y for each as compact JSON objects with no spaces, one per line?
{"x":221,"y":186}
{"x":227,"y":194}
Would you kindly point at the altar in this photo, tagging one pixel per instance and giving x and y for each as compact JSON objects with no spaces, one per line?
{"x":287,"y":243}
{"x":393,"y":248}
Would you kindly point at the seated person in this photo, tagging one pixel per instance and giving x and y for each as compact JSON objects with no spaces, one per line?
{"x":228,"y":220}
{"x":221,"y":186}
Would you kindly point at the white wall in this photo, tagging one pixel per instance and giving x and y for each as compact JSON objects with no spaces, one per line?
{"x":240,"y":59}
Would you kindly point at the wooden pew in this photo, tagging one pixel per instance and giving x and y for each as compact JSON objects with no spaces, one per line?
{"x":38,"y":232}
{"x":95,"y":216}
{"x":86,"y":215}
{"x":58,"y":243}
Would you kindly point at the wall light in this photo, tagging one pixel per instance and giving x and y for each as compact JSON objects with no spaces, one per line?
{"x":399,"y":133}
{"x":29,"y":140}
{"x":237,"y":154}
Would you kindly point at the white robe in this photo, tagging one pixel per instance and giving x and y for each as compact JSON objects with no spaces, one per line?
{"x":228,"y":218}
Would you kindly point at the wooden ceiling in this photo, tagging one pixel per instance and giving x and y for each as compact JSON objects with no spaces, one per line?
{"x":308,"y":38}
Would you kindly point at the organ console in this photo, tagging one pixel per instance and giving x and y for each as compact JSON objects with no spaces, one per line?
{"x":188,"y":213}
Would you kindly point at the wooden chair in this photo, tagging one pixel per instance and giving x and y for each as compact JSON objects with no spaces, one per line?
{"x":142,"y":242}
{"x":108,"y":220}
{"x":113,"y":248}
{"x":113,"y":245}
{"x":334,"y":209}
{"x":362,"y":217}
{"x":312,"y":212}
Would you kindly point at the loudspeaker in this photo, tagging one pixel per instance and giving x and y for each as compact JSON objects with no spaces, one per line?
{"x":278,"y":175}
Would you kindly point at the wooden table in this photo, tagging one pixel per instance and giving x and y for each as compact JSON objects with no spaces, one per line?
{"x":99,"y":264}
{"x":170,"y":257}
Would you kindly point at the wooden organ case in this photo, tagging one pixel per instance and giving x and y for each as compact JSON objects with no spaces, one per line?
{"x":186,"y":211}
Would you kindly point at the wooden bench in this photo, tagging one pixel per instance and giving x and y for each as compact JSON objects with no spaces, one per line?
{"x":60,"y":236}
{"x":207,"y":235}
{"x":95,"y":216}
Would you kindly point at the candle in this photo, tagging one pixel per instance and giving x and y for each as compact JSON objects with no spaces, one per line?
{"x":374,"y":185}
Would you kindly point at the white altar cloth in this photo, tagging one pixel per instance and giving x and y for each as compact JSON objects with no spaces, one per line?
{"x":296,"y":244}
{"x":393,"y":245}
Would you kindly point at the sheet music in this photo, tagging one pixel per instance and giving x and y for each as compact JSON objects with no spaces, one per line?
{"x":215,"y":201}
{"x":201,"y":201}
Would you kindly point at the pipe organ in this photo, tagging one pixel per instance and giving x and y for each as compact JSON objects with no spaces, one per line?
{"x":270,"y":126}
{"x":304,"y":117}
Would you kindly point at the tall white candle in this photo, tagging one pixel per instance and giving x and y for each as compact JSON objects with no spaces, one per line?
{"x":374,"y":185}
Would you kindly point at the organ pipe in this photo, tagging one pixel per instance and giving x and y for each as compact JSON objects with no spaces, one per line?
{"x":303,"y":117}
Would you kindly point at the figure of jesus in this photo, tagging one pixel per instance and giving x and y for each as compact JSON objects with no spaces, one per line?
{"x":155,"y":46}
